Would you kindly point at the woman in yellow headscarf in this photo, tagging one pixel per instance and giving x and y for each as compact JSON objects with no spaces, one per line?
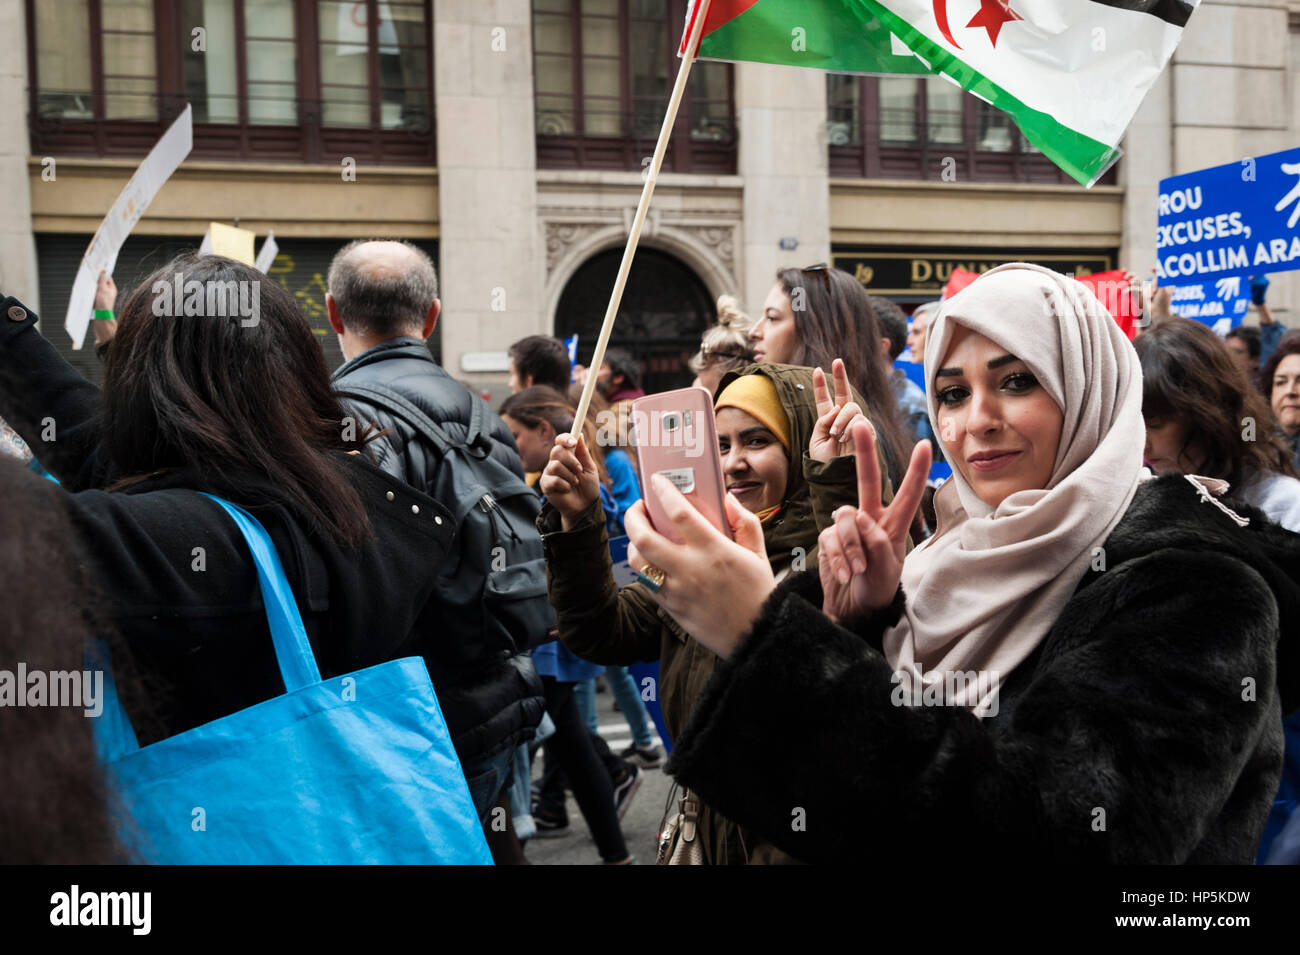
{"x":783,"y":441}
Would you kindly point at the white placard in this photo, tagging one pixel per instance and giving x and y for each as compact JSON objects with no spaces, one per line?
{"x":485,"y":361}
{"x":101,"y":255}
{"x":266,"y":255}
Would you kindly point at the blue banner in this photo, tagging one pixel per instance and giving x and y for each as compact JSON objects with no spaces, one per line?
{"x":571,"y":345}
{"x":1221,"y":303}
{"x":940,"y":470}
{"x":1236,"y":219}
{"x":914,"y":370}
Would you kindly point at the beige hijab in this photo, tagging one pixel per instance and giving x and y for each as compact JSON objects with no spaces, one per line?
{"x":986,"y":588}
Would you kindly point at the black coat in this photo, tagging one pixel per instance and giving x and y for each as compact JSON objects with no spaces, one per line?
{"x":200,"y":637}
{"x":405,"y":366}
{"x":1145,"y":728}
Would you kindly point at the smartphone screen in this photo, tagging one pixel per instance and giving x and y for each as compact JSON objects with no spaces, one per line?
{"x":675,"y":435}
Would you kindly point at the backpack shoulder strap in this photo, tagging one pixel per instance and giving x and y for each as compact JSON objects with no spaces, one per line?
{"x":396,"y":404}
{"x":477,"y":426}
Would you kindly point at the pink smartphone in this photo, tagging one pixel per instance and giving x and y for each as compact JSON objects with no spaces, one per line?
{"x":675,"y":435}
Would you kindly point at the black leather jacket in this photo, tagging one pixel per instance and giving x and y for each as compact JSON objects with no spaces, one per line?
{"x":486,"y":711}
{"x":405,"y":365}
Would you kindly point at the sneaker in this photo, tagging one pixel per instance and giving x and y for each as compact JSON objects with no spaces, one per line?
{"x":651,"y":757}
{"x":548,"y":824}
{"x":625,"y":788}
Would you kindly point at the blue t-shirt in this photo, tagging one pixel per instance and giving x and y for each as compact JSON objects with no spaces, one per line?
{"x":622,"y":475}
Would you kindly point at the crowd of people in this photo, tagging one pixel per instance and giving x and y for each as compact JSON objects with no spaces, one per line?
{"x":1081,"y":646}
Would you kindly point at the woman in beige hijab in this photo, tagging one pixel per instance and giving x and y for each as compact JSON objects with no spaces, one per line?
{"x":1083,"y":663}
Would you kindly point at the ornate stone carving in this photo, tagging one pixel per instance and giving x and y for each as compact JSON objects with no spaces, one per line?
{"x":718,"y":239}
{"x":562,"y":236}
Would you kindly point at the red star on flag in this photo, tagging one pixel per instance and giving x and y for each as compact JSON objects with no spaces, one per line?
{"x":991,"y":16}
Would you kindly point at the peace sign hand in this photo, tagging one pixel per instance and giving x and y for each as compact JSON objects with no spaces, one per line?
{"x":835,"y":416}
{"x":861,"y":554}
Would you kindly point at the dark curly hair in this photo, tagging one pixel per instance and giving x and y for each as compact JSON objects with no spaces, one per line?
{"x":1189,"y":373}
{"x":1289,"y":344}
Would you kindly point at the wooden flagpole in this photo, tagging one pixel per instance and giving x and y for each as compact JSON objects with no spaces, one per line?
{"x":661,"y":148}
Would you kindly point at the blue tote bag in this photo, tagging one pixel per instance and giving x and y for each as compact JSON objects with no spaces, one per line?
{"x":355,"y":769}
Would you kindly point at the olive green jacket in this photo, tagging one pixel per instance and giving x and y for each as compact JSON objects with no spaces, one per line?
{"x":600,"y":623}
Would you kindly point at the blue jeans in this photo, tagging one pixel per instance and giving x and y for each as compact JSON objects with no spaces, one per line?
{"x":521,"y":781}
{"x":485,"y":779}
{"x":625,"y":692}
{"x":521,"y":809}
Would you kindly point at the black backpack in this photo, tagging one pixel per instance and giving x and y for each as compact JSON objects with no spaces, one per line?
{"x":495,"y":593}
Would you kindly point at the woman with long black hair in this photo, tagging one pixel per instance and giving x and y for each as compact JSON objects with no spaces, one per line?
{"x":236,"y":401}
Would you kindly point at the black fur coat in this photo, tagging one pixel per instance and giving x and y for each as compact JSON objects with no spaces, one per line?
{"x":1145,"y":728}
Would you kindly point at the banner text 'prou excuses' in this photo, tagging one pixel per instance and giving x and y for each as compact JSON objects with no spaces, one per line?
{"x":1235,"y":219}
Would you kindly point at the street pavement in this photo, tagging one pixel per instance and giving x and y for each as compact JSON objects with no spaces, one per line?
{"x":640,"y":824}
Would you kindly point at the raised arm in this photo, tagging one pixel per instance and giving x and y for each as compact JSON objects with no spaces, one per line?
{"x":48,"y":402}
{"x":596,"y":621}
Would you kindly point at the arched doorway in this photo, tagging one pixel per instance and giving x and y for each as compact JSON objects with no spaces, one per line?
{"x":665,"y":310}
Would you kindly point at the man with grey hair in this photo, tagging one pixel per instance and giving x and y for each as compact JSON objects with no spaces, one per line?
{"x":383,"y":304}
{"x":387,"y":290}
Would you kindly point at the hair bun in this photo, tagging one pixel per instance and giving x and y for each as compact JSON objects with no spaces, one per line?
{"x":730,"y":315}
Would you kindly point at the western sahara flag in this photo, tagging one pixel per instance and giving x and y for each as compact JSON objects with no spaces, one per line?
{"x":1071,"y":73}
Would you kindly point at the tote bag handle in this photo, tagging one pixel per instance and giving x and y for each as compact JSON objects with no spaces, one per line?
{"x":293,"y":651}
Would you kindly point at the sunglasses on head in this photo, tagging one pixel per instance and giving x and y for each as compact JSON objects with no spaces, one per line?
{"x":821,"y":269}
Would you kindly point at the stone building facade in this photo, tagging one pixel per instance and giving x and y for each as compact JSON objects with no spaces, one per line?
{"x":525,"y":236}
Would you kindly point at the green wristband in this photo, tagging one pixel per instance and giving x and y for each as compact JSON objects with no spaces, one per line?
{"x":104,"y":315}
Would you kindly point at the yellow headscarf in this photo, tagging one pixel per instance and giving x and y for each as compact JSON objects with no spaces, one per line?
{"x":756,"y":396}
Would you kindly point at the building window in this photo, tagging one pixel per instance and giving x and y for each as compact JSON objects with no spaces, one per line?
{"x":604,"y":70}
{"x":263,"y":36}
{"x":62,"y":32}
{"x":374,"y":75}
{"x":896,"y":127}
{"x":129,"y":59}
{"x":305,"y":80}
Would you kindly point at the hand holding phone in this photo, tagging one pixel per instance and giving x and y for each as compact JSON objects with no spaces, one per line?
{"x":676,"y":436}
{"x":713,"y":586}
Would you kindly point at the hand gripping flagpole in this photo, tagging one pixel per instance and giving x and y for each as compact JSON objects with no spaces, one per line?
{"x":615,"y":299}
